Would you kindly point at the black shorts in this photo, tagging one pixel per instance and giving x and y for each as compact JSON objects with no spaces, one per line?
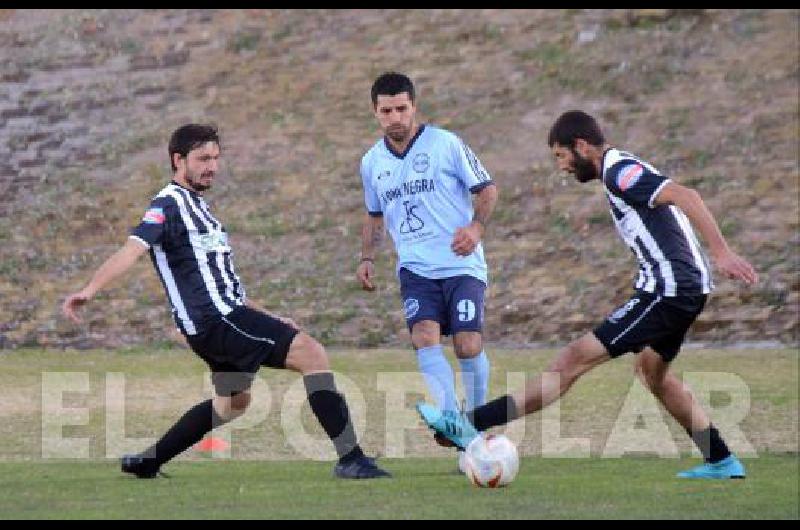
{"x":651,"y":320}
{"x":456,"y":303}
{"x":236,"y":346}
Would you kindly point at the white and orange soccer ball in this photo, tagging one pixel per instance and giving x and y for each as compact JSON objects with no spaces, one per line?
{"x":491,"y":461}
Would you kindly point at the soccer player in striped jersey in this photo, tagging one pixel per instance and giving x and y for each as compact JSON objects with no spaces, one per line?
{"x":654,"y":217}
{"x":427,"y":187}
{"x":189,"y":248}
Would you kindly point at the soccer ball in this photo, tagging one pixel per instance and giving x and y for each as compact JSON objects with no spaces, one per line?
{"x":491,"y":461}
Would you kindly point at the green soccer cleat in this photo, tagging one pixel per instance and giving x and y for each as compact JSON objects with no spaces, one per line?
{"x":727,"y":468}
{"x":449,"y":424}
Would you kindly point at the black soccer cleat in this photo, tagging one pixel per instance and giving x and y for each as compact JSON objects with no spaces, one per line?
{"x":139,"y":466}
{"x":361,"y":467}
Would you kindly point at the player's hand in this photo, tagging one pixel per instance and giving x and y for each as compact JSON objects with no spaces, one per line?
{"x":466,"y":239}
{"x":366,"y":275}
{"x":73,"y":303}
{"x":735,"y":267}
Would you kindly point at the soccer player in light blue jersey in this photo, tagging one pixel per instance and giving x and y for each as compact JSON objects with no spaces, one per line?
{"x":434,"y":196}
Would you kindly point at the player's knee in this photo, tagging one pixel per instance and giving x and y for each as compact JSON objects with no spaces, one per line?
{"x":424,"y":336}
{"x":307,"y":355}
{"x":240,"y":402}
{"x":230,"y":408}
{"x":468,"y":346}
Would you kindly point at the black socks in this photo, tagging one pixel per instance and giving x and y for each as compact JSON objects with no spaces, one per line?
{"x":497,"y":412}
{"x":187,"y":431}
{"x":328,"y":405}
{"x":503,"y":410}
{"x":710,"y":444}
{"x":331,"y":410}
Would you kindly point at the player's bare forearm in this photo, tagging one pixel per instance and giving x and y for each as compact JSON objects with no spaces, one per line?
{"x":371,"y":236}
{"x":483,"y":204}
{"x":115,"y":266}
{"x":690,"y":202}
{"x":467,"y":238}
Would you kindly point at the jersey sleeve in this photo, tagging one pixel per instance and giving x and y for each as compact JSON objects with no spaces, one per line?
{"x":634,"y":183}
{"x":371,"y":199}
{"x":468,"y":168}
{"x":154,"y":222}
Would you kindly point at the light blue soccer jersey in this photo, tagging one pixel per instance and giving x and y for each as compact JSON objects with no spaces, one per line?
{"x":425,"y":195}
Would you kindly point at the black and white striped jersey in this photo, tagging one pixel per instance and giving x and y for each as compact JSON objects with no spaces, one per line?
{"x":671,"y":260}
{"x":190,"y":251}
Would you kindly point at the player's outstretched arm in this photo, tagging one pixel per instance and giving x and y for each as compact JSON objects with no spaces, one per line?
{"x":689,"y":201}
{"x":114,"y":266}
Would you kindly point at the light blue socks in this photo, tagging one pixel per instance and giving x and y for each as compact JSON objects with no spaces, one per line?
{"x":475,"y":375}
{"x":438,"y":376}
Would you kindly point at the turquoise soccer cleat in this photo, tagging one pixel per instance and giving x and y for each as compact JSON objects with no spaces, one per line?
{"x":728,"y":468}
{"x":449,"y":424}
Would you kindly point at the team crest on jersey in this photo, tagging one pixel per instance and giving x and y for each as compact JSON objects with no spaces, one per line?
{"x":421,"y":163}
{"x":154,"y":216}
{"x":410,"y":307}
{"x":629,"y":175}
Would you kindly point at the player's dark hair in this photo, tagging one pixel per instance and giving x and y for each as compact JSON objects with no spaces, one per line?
{"x":572,"y":125}
{"x":188,"y":137}
{"x":391,"y":84}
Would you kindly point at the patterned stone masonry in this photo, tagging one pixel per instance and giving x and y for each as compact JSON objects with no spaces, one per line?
{"x":71,"y":84}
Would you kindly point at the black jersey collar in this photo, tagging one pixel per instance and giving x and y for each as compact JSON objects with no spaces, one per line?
{"x":408,"y":147}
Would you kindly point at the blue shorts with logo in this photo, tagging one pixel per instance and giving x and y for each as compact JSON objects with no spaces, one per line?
{"x":456,"y":303}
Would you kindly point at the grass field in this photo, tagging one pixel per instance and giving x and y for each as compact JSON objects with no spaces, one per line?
{"x":611,"y":454}
{"x":421,"y":488}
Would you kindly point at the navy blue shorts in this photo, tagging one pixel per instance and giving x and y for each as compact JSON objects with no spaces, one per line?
{"x":660,"y":322}
{"x":456,"y":303}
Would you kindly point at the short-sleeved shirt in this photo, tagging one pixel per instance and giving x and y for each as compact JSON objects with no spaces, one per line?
{"x":424,"y":195}
{"x":189,"y":249}
{"x":671,"y":260}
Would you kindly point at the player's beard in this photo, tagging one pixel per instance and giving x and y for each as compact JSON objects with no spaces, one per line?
{"x":196,"y":183}
{"x":398,"y":133}
{"x":584,"y":169}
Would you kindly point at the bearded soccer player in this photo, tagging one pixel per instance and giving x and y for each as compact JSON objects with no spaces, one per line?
{"x":654,"y":216}
{"x":189,"y":248}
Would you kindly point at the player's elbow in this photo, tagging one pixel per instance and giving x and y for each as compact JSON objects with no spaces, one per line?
{"x":690,"y":197}
{"x":681,"y":196}
{"x":691,"y":194}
